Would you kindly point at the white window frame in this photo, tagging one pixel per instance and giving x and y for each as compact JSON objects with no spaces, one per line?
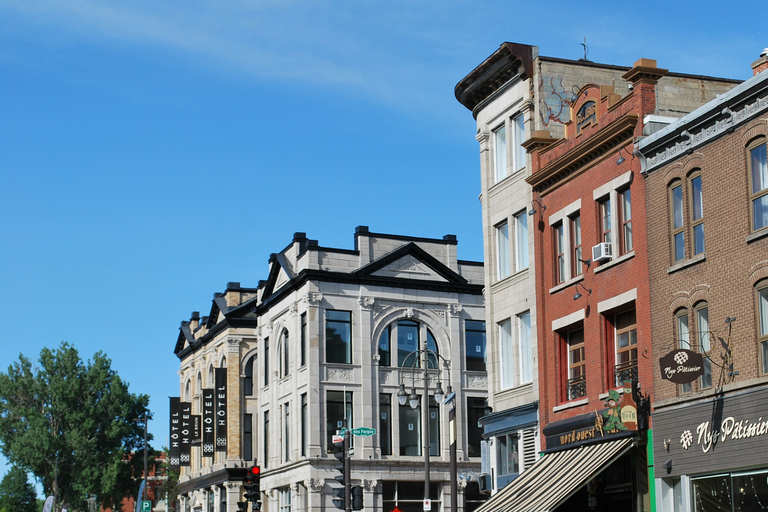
{"x":502,"y":250}
{"x":521,"y":241}
{"x":500,"y":153}
{"x":507,"y":363}
{"x":525,"y":346}
{"x":518,"y":137}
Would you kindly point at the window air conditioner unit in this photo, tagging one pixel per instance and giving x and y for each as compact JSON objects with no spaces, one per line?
{"x":602,"y":252}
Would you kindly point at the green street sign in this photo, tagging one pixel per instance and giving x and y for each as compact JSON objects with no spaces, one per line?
{"x":146,"y":506}
{"x":363,"y":431}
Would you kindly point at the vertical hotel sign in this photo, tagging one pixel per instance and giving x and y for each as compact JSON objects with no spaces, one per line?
{"x":220,"y":399}
{"x":175,"y":433}
{"x":209,"y":423}
{"x":186,"y":434}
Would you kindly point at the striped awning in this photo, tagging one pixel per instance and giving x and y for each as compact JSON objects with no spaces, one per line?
{"x":555,"y":477}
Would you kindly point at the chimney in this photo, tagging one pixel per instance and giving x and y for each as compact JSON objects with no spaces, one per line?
{"x":760,"y":64}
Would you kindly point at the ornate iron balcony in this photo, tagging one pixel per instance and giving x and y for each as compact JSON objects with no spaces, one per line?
{"x":577,"y":387}
{"x":625,"y":371}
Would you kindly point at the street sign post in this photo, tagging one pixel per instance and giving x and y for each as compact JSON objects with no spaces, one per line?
{"x":146,"y":506}
{"x":363,"y":431}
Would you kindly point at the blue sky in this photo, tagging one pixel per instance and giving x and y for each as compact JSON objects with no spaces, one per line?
{"x":150,"y":152}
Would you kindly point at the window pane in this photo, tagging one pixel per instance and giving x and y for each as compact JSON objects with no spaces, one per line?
{"x":763,"y":307}
{"x":760,"y":207}
{"x":683,"y":341}
{"x":698,"y":211}
{"x":677,"y":207}
{"x":526,"y":355}
{"x":385,"y":423}
{"x":507,"y":361}
{"x":507,"y":454}
{"x":711,"y":493}
{"x":338,"y":336}
{"x":434,"y":427}
{"x":702,"y":331}
{"x":475,"y":411}
{"x":335,"y":413}
{"x":519,"y":124}
{"x":698,"y":239}
{"x":384,"y":350}
{"x":576,"y":265}
{"x":410,"y":430}
{"x":679,"y":247}
{"x":521,"y":241}
{"x":500,"y":152}
{"x":605,"y":208}
{"x":502,"y":250}
{"x":407,"y":342}
{"x":759,"y":169}
{"x":475,"y":338}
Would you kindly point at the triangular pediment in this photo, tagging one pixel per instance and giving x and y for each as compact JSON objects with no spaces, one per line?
{"x":409,"y":267}
{"x":410,"y":262}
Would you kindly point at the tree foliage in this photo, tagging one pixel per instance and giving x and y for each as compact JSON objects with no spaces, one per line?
{"x":16,"y":493}
{"x":70,"y":423}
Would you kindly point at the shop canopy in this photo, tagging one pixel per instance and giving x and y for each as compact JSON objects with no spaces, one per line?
{"x":555,"y":477}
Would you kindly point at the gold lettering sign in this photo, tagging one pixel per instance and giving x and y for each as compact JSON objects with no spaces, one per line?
{"x":586,"y":115}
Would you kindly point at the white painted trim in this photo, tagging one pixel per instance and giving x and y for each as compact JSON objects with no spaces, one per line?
{"x":616,"y":301}
{"x":567,"y":320}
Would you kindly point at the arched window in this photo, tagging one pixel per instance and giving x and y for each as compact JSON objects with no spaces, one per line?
{"x":248,"y":381}
{"x":703,"y":339}
{"x":758,"y":183}
{"x":210,"y":375}
{"x":405,"y":337}
{"x":683,"y":337}
{"x":188,"y":391}
{"x":199,"y":384}
{"x":284,"y":354}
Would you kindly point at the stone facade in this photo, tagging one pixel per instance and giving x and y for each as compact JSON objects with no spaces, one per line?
{"x":320,"y":336}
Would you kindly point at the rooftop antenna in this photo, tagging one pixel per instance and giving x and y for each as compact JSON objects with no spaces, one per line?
{"x":586,"y":48}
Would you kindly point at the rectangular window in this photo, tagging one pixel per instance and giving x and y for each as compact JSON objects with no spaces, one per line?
{"x":507,"y":359}
{"x":303,"y":348}
{"x":762,"y":318}
{"x":338,"y":336}
{"x":697,"y":215}
{"x":507,"y":454}
{"x":265,"y":450}
{"x":338,"y":407}
{"x":576,"y":265}
{"x":500,"y":153}
{"x":385,"y":351}
{"x":683,"y":341}
{"x":521,"y":241}
{"x":577,"y":374}
{"x":759,"y":186}
{"x":703,"y":336}
{"x":410,"y":430}
{"x":559,"y":233}
{"x":678,"y":224}
{"x":266,"y":361}
{"x":526,"y":353}
{"x":284,"y":501}
{"x":434,"y":427}
{"x":518,"y":124}
{"x":605,"y":220}
{"x":286,"y":432}
{"x":248,"y":436}
{"x":475,"y":411}
{"x":304,"y":425}
{"x":625,"y":219}
{"x":626,"y":346}
{"x":385,"y":423}
{"x":474,"y":334}
{"x":502,"y":250}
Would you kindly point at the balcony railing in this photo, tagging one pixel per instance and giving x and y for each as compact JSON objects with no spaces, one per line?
{"x":577,"y":387}
{"x":625,"y":371}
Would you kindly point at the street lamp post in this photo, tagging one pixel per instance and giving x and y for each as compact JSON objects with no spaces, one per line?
{"x":145,"y":419}
{"x":425,"y":360}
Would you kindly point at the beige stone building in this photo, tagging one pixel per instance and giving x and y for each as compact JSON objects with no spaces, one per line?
{"x":519,"y":98}
{"x":324,"y":340}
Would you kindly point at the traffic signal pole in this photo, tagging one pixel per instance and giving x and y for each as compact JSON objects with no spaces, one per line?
{"x":347,"y":471}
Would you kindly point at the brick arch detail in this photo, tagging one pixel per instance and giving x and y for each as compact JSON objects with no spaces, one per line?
{"x":758,"y":272}
{"x":760,"y":129}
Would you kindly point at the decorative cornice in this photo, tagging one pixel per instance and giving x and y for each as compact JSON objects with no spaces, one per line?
{"x":577,"y":160}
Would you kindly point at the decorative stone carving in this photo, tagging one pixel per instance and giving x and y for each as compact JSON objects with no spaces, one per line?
{"x":233,"y":344}
{"x":370,"y":485}
{"x":385,"y":377}
{"x":409,"y":313}
{"x":455,"y":309}
{"x":440,"y":313}
{"x":232,"y":486}
{"x":366,"y":302}
{"x":477,"y":381}
{"x":376,"y":358}
{"x":314,"y":298}
{"x":314,"y":484}
{"x":462,"y":484}
{"x":340,"y":374}
{"x":293,"y":308}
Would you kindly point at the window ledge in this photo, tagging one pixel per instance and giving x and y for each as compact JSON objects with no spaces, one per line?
{"x":757,"y":235}
{"x":566,"y":284}
{"x":514,"y":277}
{"x":614,"y":262}
{"x":570,"y":405}
{"x":687,"y":263}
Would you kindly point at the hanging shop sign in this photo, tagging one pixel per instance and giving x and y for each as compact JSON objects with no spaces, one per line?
{"x":618,"y":418}
{"x":681,"y":366}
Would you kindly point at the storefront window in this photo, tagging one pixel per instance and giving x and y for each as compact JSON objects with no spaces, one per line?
{"x":734,"y":492}
{"x":409,"y":496}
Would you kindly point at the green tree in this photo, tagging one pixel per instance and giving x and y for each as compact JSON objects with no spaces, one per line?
{"x":16,"y":493}
{"x":71,"y":424}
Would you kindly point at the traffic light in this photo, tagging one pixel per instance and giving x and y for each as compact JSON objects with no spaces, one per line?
{"x":357,"y":498}
{"x":242,"y":506}
{"x":252,"y":486}
{"x":341,"y":452}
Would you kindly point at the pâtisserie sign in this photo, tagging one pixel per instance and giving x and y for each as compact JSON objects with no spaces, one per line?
{"x":681,"y":366}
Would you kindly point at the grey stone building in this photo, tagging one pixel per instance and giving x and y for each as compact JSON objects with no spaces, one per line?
{"x":323,"y":341}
